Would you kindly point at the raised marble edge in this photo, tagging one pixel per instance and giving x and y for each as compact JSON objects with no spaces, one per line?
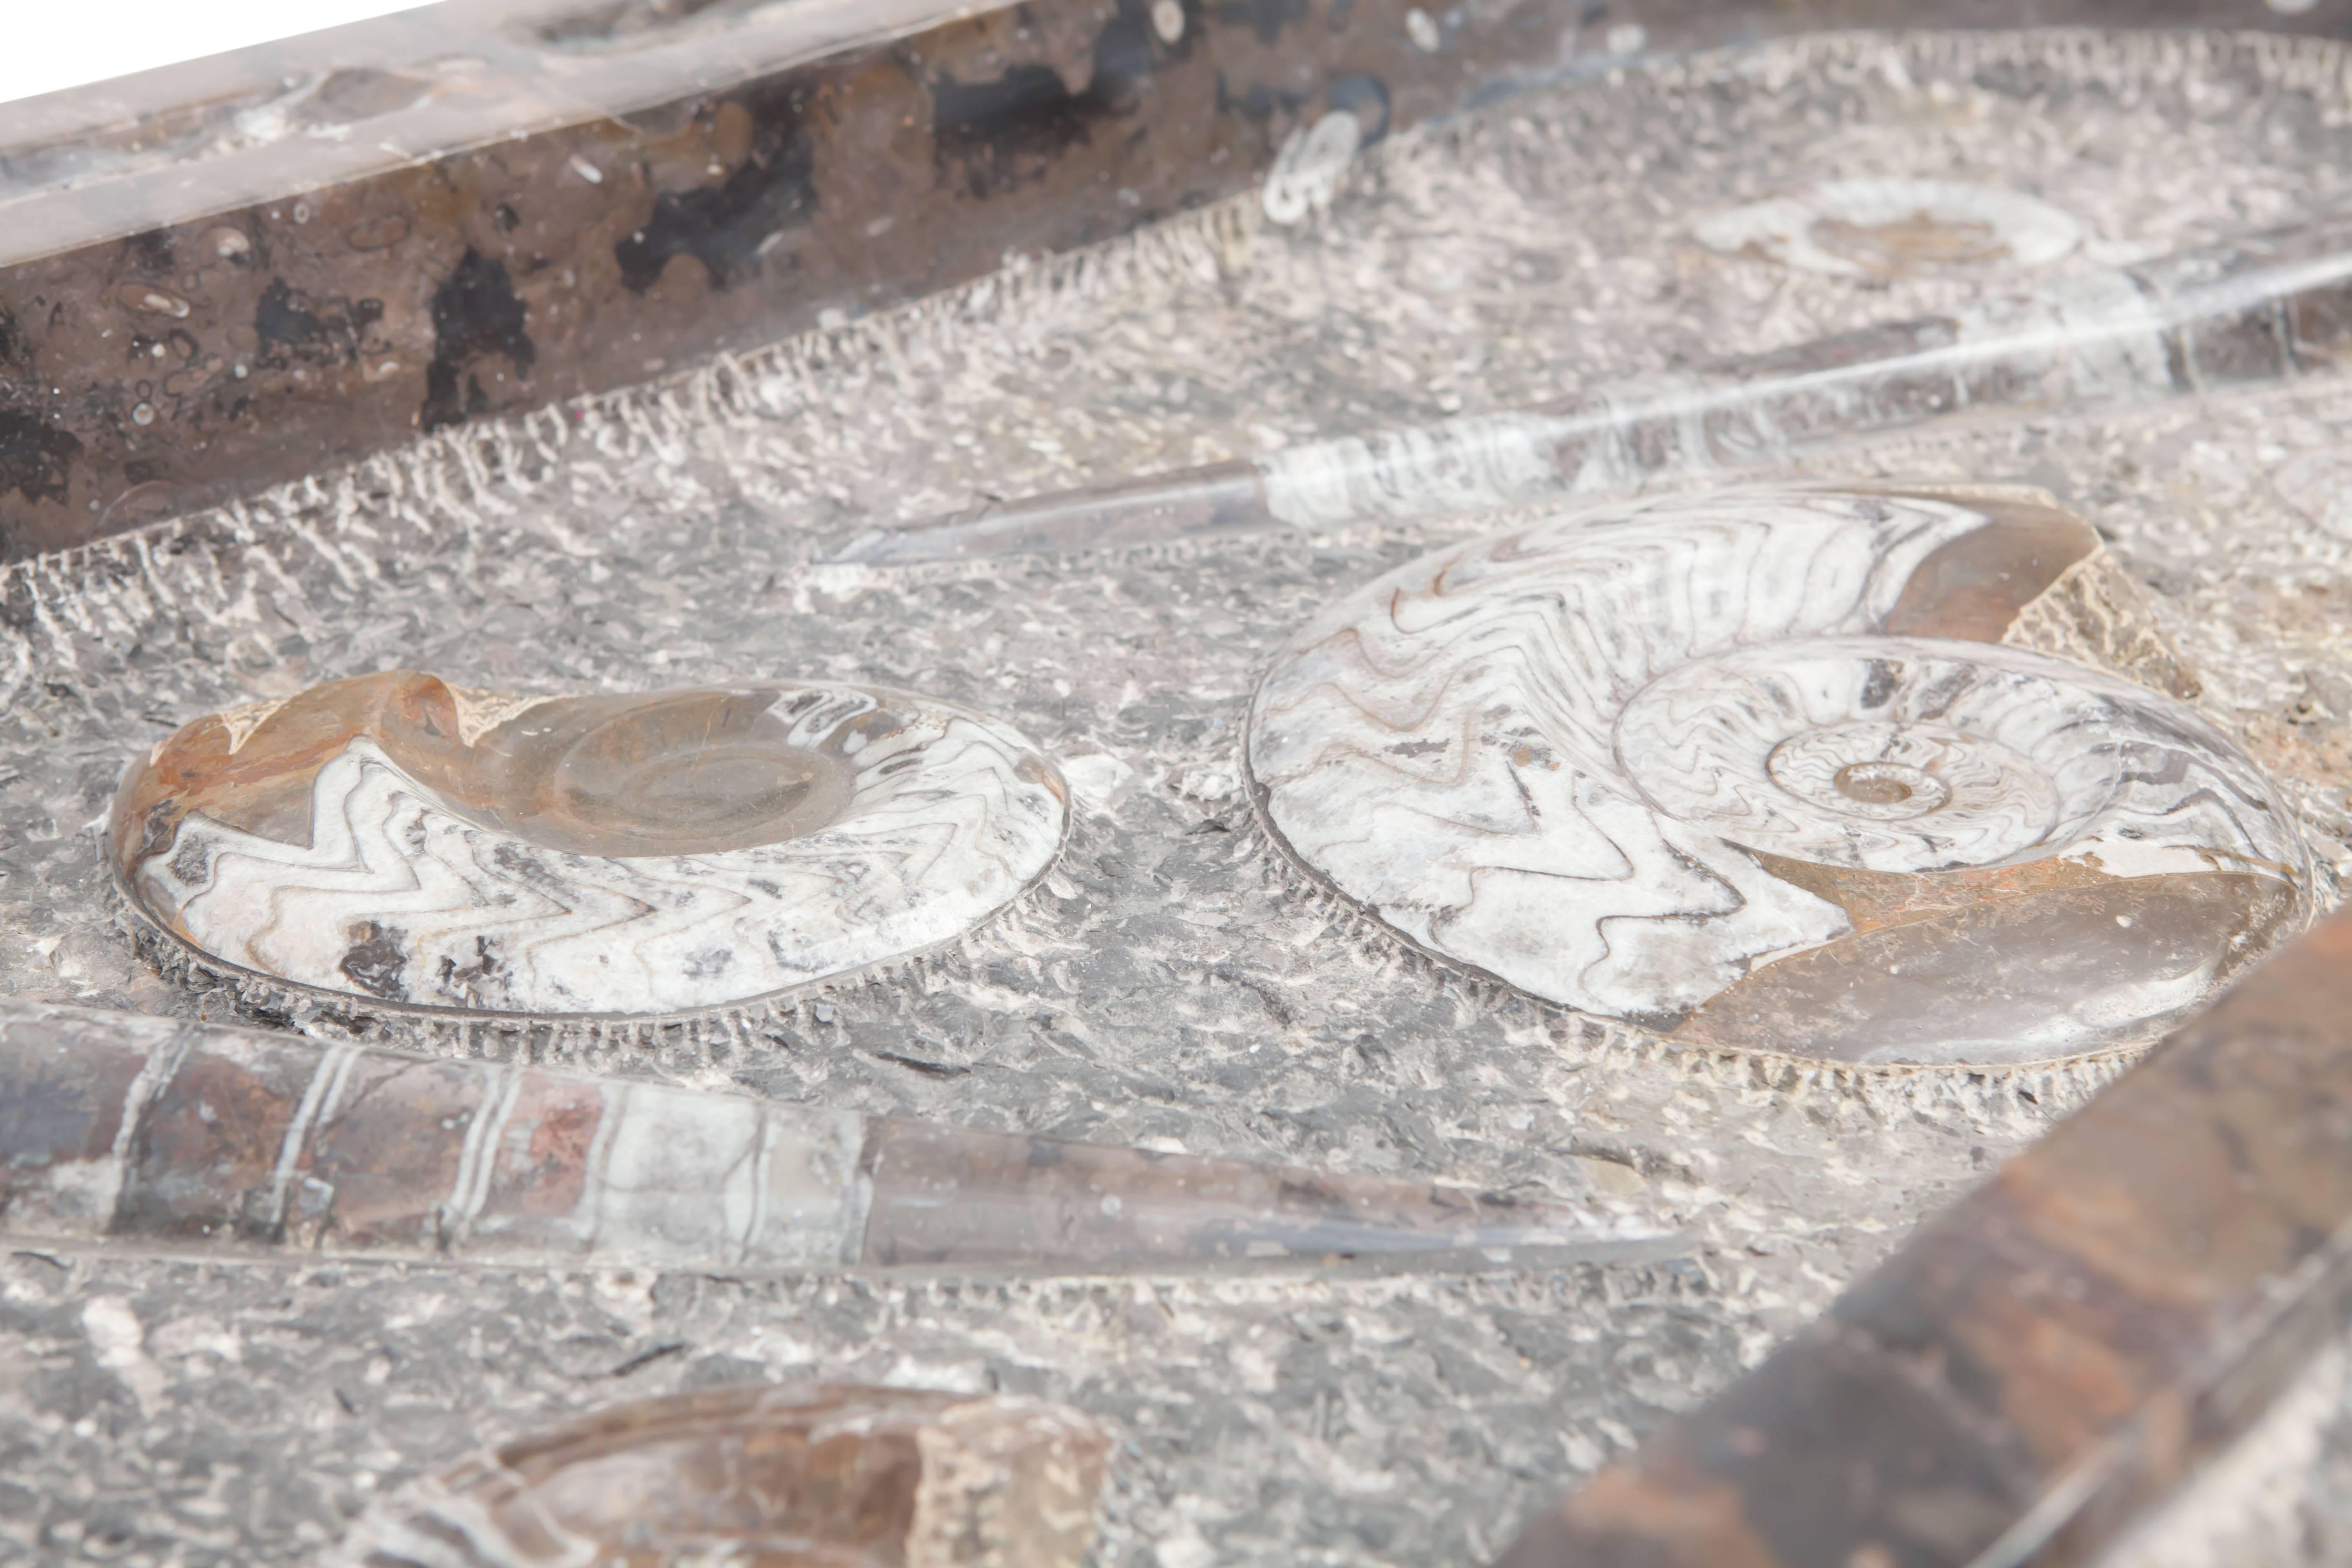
{"x":2044,"y":1363}
{"x":345,"y":240}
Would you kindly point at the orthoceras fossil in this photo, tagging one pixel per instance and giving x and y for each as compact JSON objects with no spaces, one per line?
{"x":392,"y":838}
{"x":1789,"y":769}
{"x":858,"y":1477}
{"x":119,"y":1126}
{"x":2266,"y":308}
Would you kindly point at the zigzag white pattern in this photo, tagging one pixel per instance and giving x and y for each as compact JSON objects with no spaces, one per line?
{"x":398,"y":896}
{"x":1553,"y":754}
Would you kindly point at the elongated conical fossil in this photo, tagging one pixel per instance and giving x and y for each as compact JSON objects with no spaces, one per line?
{"x":1784,"y":769}
{"x":129,"y":1129}
{"x":2266,"y":308}
{"x":394,"y":839}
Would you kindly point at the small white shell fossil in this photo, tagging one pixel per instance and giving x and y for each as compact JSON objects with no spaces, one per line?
{"x":1765,"y":768}
{"x":1894,"y":227}
{"x":1312,"y":162}
{"x":400,"y":839}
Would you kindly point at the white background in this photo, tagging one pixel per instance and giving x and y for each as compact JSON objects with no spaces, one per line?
{"x":54,"y":44}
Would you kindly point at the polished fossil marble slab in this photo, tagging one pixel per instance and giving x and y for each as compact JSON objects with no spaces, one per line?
{"x":1174,"y":990}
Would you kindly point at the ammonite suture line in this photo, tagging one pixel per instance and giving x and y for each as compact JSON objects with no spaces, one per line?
{"x":395,"y":838}
{"x":1769,"y":769}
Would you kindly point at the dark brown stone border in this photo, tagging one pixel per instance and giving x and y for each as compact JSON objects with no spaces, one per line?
{"x":2045,"y":1361}
{"x":225,"y":275}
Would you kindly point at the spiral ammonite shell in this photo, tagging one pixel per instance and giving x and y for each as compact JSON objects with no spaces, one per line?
{"x":398,"y":838}
{"x":1771,"y":769}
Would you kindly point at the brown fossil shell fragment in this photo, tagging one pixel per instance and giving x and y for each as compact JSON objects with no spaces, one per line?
{"x":1878,"y":775}
{"x":1895,"y":228}
{"x":779,"y":1477}
{"x":397,"y":838}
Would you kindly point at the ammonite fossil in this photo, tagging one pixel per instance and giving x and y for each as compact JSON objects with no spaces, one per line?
{"x":400,"y":839}
{"x":1836,"y":774}
{"x":839,"y":1475}
{"x":1892,"y":228}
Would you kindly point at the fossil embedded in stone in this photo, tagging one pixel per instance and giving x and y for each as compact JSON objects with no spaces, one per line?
{"x":1896,"y":227}
{"x":396,"y":839}
{"x":149,"y":1132}
{"x":1853,"y":774}
{"x":863,"y":1478}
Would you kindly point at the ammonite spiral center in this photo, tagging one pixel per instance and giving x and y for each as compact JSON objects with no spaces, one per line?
{"x":677,"y":778}
{"x":1889,"y":787}
{"x":1895,"y":229}
{"x":1761,"y":768}
{"x":1917,"y":243}
{"x":745,"y":791}
{"x":1878,"y":785}
{"x":1969,"y":755}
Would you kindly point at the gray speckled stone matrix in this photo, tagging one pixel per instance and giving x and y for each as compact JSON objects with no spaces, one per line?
{"x":1164,"y":986}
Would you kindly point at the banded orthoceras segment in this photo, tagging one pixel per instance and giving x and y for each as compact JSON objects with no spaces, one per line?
{"x":1789,"y":769}
{"x":394,"y":839}
{"x":137,"y":1130}
{"x":854,"y":1477}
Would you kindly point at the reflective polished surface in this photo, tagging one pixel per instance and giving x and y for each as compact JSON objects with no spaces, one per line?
{"x":1786,"y":770}
{"x":394,"y":838}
